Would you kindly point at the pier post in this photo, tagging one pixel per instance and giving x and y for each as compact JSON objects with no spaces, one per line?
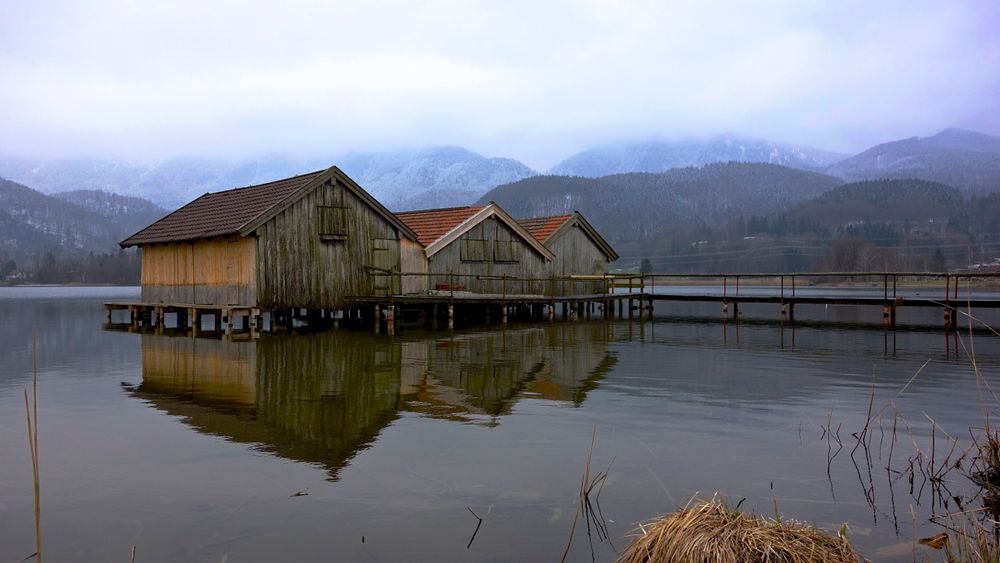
{"x":378,"y":318}
{"x":503,"y":314}
{"x":390,"y":320}
{"x":889,"y":316}
{"x":552,"y":311}
{"x":451,"y":316}
{"x":195,"y":321}
{"x":950,"y":319}
{"x":788,"y":312}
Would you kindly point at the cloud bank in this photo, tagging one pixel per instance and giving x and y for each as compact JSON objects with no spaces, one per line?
{"x":531,"y":80}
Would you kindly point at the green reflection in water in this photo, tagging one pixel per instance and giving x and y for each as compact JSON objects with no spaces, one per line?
{"x":321,"y":398}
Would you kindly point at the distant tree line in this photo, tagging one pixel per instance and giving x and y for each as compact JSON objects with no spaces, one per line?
{"x":51,"y":267}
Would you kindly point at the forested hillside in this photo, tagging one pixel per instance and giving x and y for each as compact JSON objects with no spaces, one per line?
{"x":873,"y":225}
{"x":73,"y":237}
{"x":633,"y":209}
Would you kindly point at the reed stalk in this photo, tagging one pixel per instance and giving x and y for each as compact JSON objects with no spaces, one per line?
{"x":31,"y":416}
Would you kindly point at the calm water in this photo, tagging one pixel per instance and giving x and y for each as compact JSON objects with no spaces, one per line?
{"x":192,"y":449}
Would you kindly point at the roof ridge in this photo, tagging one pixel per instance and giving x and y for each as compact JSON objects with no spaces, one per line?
{"x":441,"y":209}
{"x":544,"y":217}
{"x":264,"y":184}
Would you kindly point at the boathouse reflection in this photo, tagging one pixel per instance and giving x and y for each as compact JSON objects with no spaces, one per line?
{"x":321,"y":398}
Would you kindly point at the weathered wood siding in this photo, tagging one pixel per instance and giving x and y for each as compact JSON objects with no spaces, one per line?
{"x":491,"y":248}
{"x":413,"y":259}
{"x":319,"y":252}
{"x":576,"y":253}
{"x":207,"y":272}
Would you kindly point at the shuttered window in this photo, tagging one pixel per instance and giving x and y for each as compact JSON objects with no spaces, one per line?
{"x":332,"y":222}
{"x":473,"y":245}
{"x":505,"y":246}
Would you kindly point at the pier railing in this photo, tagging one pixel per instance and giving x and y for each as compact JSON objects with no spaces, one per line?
{"x":787,"y":283}
{"x":451,"y":283}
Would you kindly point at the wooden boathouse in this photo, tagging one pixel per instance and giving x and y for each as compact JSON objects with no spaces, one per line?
{"x":306,"y":242}
{"x":480,"y":250}
{"x":578,"y":248}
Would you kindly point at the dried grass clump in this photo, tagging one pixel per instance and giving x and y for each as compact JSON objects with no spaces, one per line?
{"x":709,"y":531}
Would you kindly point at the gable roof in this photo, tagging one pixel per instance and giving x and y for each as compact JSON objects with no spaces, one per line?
{"x":240,"y":211}
{"x":545,"y":228}
{"x":441,"y":227}
{"x":432,"y":224}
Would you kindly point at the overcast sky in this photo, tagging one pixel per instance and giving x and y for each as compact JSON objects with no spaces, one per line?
{"x":534,"y":80}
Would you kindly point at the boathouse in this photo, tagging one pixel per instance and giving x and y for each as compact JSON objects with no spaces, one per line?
{"x":479,"y":249}
{"x":578,"y":248}
{"x":311,"y":241}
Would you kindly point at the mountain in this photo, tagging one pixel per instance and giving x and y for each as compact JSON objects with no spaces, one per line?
{"x":964,"y":159}
{"x":638,"y":206}
{"x":438,"y":176}
{"x":660,"y":156}
{"x":129,"y":214}
{"x":874,"y":225}
{"x":32,"y":222}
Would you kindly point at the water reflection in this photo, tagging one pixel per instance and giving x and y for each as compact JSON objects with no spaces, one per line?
{"x":323,"y":397}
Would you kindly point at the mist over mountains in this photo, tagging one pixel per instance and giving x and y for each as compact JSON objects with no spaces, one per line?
{"x":959,"y":158}
{"x":429,"y":177}
{"x":660,"y":156}
{"x":449,"y":175}
{"x":652,"y":198}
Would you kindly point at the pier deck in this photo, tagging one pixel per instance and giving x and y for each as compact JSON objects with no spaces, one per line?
{"x":631,"y":295}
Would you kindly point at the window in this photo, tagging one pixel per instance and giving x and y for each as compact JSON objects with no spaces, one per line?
{"x":332,"y":221}
{"x":505,"y":246}
{"x":472,"y":246}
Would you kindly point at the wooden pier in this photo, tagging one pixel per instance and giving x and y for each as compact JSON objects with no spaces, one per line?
{"x":625,"y":296}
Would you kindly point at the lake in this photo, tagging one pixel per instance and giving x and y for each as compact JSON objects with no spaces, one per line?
{"x":343,"y":445}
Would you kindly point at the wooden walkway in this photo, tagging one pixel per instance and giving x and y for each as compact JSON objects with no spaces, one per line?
{"x":627,"y":296}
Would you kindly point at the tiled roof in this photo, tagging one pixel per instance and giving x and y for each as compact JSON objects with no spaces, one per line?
{"x":542,"y":227}
{"x":432,"y":224}
{"x":220,"y":213}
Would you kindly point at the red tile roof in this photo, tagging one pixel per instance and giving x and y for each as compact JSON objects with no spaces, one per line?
{"x":432,"y":224}
{"x":542,"y":227}
{"x":220,"y":213}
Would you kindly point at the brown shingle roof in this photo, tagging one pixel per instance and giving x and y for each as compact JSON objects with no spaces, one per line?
{"x":432,"y":224}
{"x":220,"y":213}
{"x":542,"y":227}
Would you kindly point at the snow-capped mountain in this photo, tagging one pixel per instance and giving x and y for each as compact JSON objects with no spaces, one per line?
{"x":660,"y":156}
{"x":400,"y":179}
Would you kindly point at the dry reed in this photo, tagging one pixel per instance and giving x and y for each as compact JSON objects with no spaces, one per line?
{"x":709,"y":531}
{"x":31,"y":414}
